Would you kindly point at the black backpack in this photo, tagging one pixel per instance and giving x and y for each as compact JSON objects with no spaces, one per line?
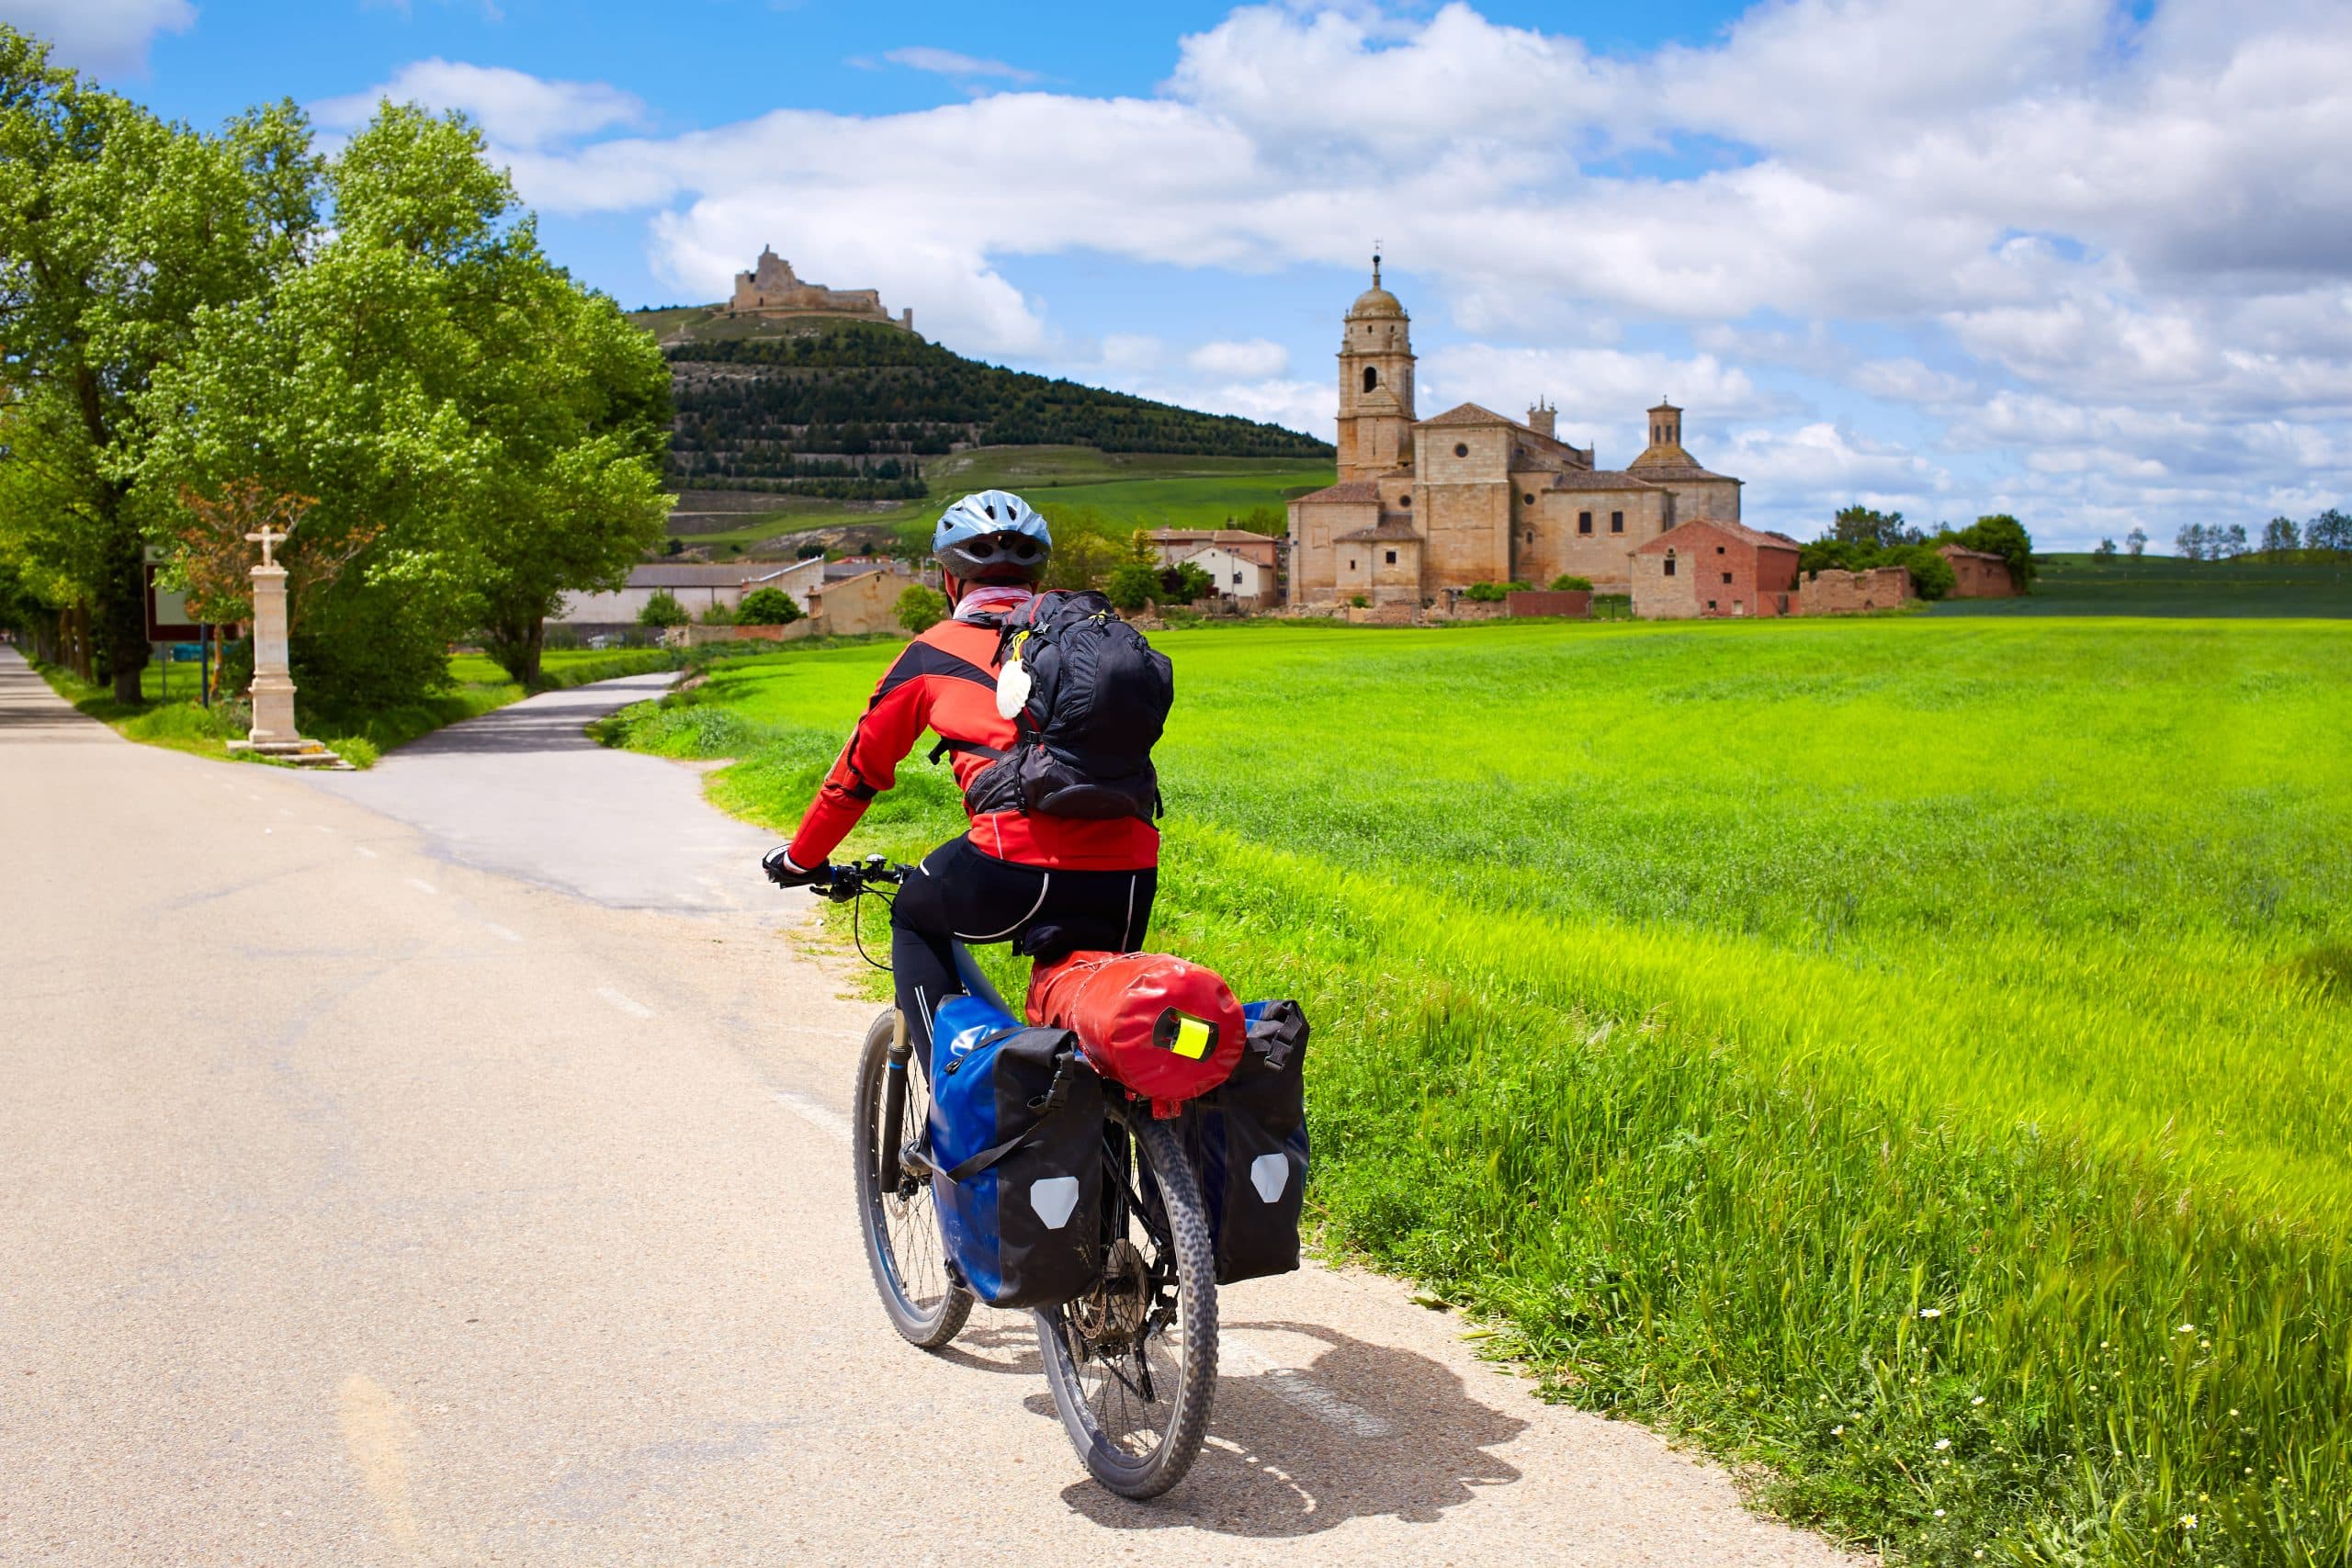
{"x":1098,"y":696}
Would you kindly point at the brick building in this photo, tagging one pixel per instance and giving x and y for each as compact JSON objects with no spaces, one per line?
{"x":1470,"y":496}
{"x":1713,"y":568}
{"x":1978,"y":574}
{"x":1173,"y":545}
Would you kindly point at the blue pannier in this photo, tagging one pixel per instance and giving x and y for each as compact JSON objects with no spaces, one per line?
{"x":1016,"y":1138}
{"x":1249,"y":1142}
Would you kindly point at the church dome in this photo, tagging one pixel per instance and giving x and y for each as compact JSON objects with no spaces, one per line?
{"x":1376,"y":302}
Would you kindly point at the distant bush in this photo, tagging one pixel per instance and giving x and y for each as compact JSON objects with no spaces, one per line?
{"x":662,"y":609}
{"x":767,"y":607}
{"x":1931,"y":576}
{"x":1360,"y":602}
{"x":1492,"y":592}
{"x":920,"y":609}
{"x":1569,"y":583}
{"x":1133,"y":585}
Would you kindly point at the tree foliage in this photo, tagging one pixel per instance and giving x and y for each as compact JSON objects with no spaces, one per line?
{"x":186,"y":337}
{"x":769,"y":606}
{"x":663,"y":610}
{"x":117,"y":231}
{"x":920,"y":608}
{"x":848,"y":409}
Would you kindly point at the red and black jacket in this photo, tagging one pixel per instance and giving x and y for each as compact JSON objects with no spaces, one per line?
{"x":945,"y":681}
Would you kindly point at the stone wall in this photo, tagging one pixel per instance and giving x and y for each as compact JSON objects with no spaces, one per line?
{"x":1577,"y":603}
{"x":1465,"y":499}
{"x":1833,"y":592}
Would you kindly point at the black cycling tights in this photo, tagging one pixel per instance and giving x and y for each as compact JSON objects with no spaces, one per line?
{"x":959,"y":892}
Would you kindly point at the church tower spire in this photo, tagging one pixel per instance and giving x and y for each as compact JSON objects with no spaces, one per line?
{"x":1376,"y":383}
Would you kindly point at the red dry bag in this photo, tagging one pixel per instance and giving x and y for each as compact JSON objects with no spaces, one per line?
{"x":1167,"y":1030}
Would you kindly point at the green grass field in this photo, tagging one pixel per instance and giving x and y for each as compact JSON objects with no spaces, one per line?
{"x":2081,"y":584}
{"x":1126,"y":490}
{"x":1909,"y":1054}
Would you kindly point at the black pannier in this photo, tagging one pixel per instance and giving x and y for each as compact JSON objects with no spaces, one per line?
{"x":1250,"y":1146}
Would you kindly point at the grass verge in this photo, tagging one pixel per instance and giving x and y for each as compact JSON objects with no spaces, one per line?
{"x":1906,"y":1057}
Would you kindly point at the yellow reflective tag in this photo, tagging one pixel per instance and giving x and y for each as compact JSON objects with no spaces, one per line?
{"x":1194,"y":1038}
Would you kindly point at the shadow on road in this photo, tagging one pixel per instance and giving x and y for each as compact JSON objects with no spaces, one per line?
{"x":1367,"y":1430}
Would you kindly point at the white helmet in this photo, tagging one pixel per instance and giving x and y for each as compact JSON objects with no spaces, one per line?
{"x":992,"y":536}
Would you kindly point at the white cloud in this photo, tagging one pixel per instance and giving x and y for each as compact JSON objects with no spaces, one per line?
{"x":514,"y":109}
{"x":1256,"y":360}
{"x":1939,"y":209}
{"x":102,"y":36}
{"x":947,"y":62}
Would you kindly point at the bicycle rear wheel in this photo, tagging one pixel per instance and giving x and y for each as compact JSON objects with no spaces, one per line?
{"x":903,"y":1246}
{"x":1133,"y":1363}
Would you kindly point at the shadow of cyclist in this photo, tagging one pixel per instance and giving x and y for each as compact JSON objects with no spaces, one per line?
{"x":1312,"y":1428}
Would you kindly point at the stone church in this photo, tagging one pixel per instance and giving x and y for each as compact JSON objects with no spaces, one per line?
{"x":773,"y":290}
{"x":1470,"y":496}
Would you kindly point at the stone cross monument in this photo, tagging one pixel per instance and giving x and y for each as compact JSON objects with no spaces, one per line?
{"x":272,"y":687}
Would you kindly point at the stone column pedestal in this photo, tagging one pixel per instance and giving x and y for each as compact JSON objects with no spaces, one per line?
{"x":273,"y":688}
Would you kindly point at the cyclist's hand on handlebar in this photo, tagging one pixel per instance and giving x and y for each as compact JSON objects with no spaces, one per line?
{"x":783,"y":873}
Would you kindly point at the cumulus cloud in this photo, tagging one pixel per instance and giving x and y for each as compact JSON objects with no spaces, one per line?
{"x":102,"y":36}
{"x":2078,"y":200}
{"x":514,"y":109}
{"x":1258,"y":358}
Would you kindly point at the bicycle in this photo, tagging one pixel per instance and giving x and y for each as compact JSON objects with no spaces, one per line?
{"x":1132,"y":1362}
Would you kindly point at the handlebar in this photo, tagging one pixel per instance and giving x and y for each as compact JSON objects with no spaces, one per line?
{"x":843,"y":883}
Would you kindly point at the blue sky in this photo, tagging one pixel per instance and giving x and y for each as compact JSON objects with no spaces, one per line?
{"x":2080,"y":261}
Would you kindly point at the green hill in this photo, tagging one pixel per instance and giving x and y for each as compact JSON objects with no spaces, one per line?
{"x":851,"y":411}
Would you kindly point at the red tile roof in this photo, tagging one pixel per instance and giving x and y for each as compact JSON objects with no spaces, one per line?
{"x":1760,"y":537}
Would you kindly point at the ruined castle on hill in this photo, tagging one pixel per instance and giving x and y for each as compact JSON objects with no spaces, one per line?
{"x":772,"y":289}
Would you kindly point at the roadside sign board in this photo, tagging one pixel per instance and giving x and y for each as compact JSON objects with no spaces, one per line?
{"x":168,"y":617}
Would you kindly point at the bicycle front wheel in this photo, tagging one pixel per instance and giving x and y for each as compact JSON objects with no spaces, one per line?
{"x":1132,"y":1363}
{"x":904,"y":1245}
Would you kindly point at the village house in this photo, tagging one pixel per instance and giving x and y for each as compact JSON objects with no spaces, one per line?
{"x":1470,"y":496}
{"x":1713,"y":568}
{"x":1173,"y":545}
{"x":694,"y":586}
{"x":1237,"y":577}
{"x":1978,"y":574}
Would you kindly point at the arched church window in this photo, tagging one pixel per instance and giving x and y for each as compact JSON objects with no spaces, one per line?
{"x":1371,"y":376}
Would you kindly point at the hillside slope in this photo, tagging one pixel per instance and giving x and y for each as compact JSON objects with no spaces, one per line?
{"x":850,"y":411}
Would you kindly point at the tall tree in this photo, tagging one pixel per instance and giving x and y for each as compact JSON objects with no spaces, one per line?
{"x":2280,"y":536}
{"x":441,"y":388}
{"x":116,"y":231}
{"x":2136,"y":542}
{"x":2330,"y":530}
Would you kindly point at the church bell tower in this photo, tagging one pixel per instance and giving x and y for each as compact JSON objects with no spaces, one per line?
{"x":1376,"y":384}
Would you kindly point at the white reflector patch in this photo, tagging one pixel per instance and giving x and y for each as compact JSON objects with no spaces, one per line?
{"x":1270,"y":1174}
{"x":1053,"y":1198}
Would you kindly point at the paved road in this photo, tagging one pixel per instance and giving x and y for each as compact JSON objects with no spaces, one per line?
{"x":364,"y":1205}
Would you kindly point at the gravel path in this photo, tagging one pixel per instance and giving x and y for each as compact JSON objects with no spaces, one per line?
{"x":390,"y":1185}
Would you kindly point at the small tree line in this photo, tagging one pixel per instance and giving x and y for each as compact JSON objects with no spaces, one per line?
{"x":2280,"y":539}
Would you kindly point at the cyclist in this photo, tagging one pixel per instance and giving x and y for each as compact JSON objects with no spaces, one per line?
{"x":1049,"y":885}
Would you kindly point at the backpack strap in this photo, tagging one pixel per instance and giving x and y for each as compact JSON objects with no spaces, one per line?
{"x":968,"y":748}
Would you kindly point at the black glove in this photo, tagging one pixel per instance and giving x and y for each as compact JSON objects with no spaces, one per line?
{"x":783,"y":873}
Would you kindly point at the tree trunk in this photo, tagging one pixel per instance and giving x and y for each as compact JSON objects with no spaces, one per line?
{"x":516,"y":644}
